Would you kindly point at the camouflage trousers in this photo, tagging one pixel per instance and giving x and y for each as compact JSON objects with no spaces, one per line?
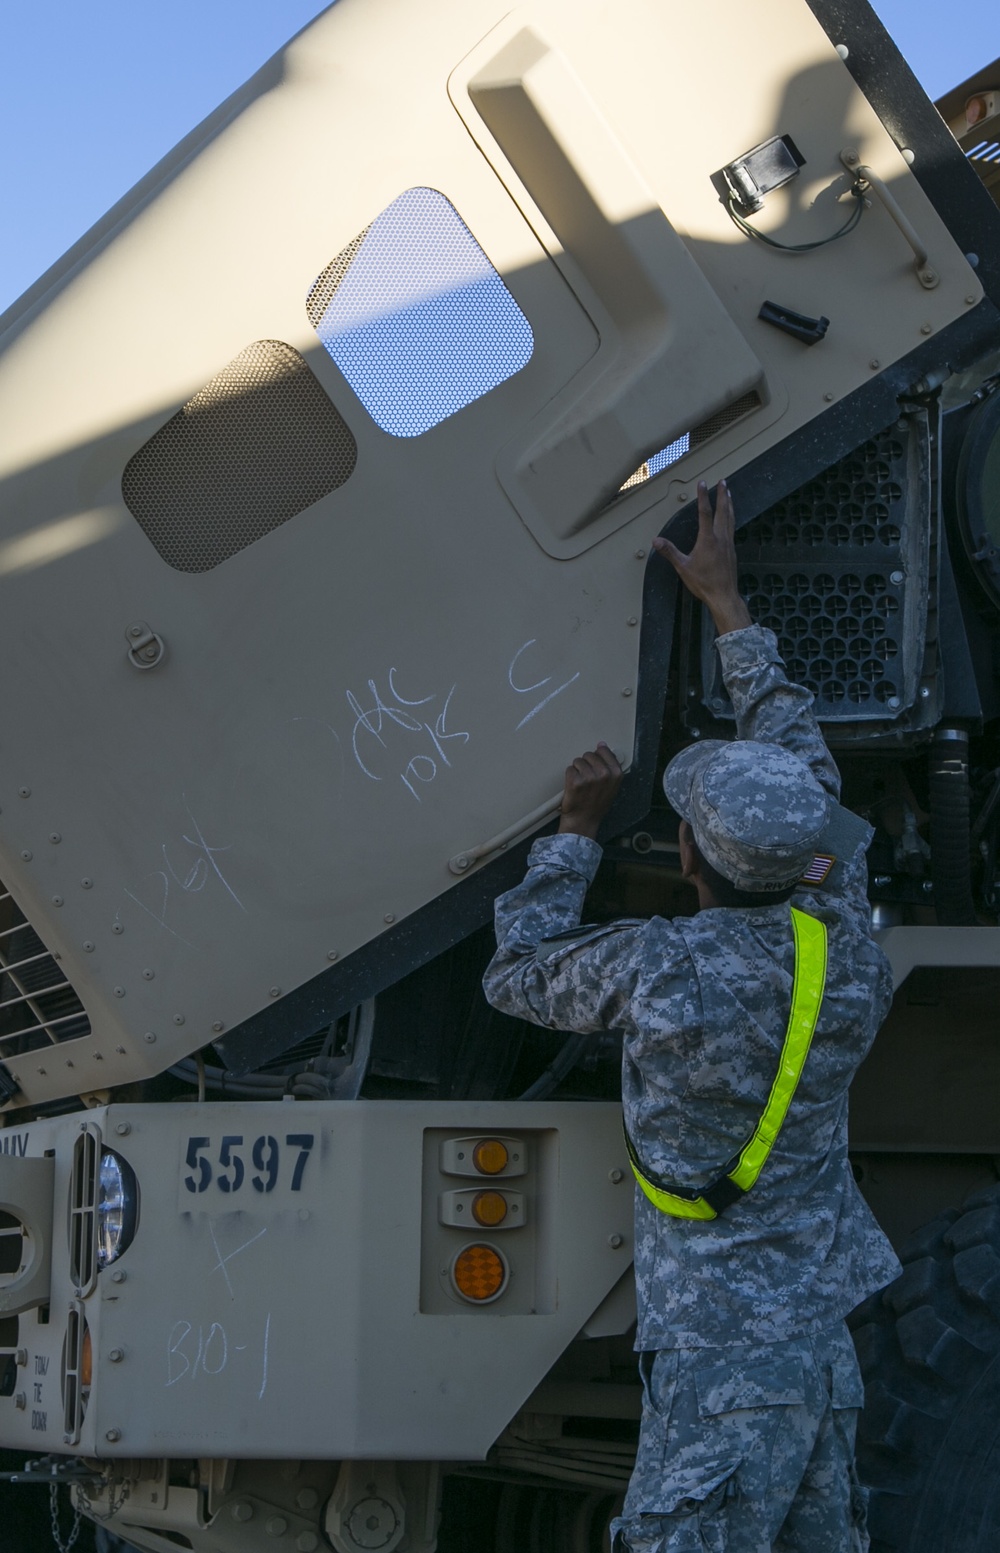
{"x":748,"y":1449}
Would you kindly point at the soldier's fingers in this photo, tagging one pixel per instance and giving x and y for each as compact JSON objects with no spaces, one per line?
{"x":590,"y":766}
{"x":704,"y":510}
{"x":670,"y":552}
{"x":611,"y":762}
{"x":725,"y":517}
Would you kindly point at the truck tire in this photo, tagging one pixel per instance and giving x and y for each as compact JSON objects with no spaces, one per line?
{"x":524,"y":1518}
{"x":929,"y":1350}
{"x":532,"y":1519}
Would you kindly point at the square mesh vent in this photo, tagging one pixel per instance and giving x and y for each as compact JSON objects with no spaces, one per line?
{"x":416,"y":317}
{"x":839,"y":571}
{"x":256,"y":445}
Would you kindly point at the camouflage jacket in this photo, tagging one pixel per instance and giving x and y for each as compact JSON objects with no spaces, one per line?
{"x":702,"y":1006}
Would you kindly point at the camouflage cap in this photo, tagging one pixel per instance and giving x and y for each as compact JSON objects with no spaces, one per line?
{"x":756,"y":810}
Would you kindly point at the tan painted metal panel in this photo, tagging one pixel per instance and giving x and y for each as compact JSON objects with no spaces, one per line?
{"x":396,"y":674}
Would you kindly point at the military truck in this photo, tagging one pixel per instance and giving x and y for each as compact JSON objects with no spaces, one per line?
{"x":331,"y":461}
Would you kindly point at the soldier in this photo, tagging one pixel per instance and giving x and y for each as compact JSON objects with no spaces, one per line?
{"x":741,"y":1029}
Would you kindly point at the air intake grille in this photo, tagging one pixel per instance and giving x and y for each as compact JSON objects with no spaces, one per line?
{"x":83,"y":1212}
{"x":258,"y":444}
{"x":75,"y":1392}
{"x":37,"y":1004}
{"x":839,"y":571}
{"x":9,"y":1325}
{"x":416,"y":317}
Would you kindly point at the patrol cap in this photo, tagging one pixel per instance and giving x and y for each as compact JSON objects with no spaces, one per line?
{"x":756,"y":810}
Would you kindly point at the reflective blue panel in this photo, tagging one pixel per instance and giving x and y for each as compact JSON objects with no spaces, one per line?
{"x":669,"y":455}
{"x":416,"y":317}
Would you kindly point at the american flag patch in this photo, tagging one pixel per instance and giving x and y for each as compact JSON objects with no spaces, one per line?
{"x":818,"y":869}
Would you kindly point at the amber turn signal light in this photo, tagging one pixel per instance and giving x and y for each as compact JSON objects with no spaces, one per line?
{"x":489,"y":1208}
{"x":490,"y":1156}
{"x":479,"y":1273}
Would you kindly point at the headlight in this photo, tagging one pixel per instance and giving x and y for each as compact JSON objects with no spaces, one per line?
{"x":117,"y":1208}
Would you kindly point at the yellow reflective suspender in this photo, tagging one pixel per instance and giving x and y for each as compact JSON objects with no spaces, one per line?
{"x":809,"y":981}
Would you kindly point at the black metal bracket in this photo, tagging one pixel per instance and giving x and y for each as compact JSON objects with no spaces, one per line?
{"x":799,"y":325}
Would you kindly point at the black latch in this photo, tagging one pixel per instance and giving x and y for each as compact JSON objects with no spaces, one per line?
{"x":9,"y":1087}
{"x":798,"y":325}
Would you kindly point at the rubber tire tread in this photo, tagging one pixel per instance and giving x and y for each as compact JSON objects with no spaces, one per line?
{"x":929,"y":1351}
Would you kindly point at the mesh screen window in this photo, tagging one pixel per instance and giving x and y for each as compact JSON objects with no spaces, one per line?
{"x":416,"y":317}
{"x":256,"y":445}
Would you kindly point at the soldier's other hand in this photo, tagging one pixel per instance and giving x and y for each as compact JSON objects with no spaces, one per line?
{"x":592,"y":782}
{"x":709,"y":570}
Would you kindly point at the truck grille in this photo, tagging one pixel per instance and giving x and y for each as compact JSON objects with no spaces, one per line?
{"x":74,"y":1399}
{"x":38,"y":1006}
{"x":9,"y":1325}
{"x":83,"y":1211}
{"x":840,"y":572}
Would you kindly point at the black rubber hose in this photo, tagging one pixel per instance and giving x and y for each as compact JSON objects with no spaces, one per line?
{"x":563,"y":1063}
{"x":951,"y":861}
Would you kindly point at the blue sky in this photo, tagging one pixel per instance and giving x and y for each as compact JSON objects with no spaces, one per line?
{"x":95,"y":93}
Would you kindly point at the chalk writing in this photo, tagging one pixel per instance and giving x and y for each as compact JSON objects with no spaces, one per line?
{"x":220,"y":1266}
{"x":375,"y":717}
{"x":527,"y":690}
{"x":197,"y":868}
{"x":399,"y":727}
{"x":267,"y":1339}
{"x":208,"y":1351}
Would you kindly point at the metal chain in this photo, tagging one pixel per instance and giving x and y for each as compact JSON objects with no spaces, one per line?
{"x":63,"y":1547}
{"x":114,"y":1505}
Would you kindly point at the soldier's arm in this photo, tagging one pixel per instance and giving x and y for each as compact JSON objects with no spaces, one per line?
{"x":767,"y":706}
{"x":548,"y":968}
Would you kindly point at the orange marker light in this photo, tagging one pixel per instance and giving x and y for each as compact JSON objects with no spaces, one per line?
{"x":489,"y":1208}
{"x":490,"y":1157}
{"x":479,"y":1273}
{"x":87,"y":1359}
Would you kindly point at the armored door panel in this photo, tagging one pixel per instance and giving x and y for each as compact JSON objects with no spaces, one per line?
{"x":330,"y":461}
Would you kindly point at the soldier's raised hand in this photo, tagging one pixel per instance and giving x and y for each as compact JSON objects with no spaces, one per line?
{"x":709,"y":570}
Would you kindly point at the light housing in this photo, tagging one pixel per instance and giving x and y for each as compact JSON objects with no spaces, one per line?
{"x":480,"y":1273}
{"x":491,"y":1156}
{"x":117,"y":1207}
{"x":489,"y":1208}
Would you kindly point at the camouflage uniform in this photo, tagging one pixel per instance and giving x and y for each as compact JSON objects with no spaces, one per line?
{"x":702,"y":1005}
